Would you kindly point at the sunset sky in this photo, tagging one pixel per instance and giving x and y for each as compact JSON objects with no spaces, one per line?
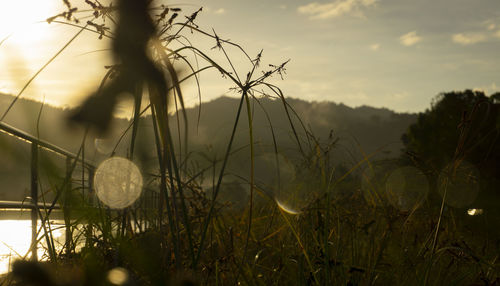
{"x":386,"y":53}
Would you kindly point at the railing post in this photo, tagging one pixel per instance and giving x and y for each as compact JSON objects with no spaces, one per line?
{"x":67,"y":207}
{"x":34,"y":200}
{"x":91,"y":186}
{"x":91,"y":205}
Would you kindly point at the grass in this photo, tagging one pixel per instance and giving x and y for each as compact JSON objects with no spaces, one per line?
{"x":178,"y":232}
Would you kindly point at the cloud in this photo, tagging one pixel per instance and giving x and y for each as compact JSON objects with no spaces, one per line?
{"x":490,"y":31}
{"x":335,"y":8}
{"x":468,"y":39}
{"x":490,"y":89}
{"x":400,"y":95}
{"x":410,"y":39}
{"x":374,"y":47}
{"x":220,"y":11}
{"x":215,"y":11}
{"x":490,"y":24}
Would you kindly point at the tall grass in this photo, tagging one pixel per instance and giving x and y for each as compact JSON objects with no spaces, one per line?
{"x":179,"y":232}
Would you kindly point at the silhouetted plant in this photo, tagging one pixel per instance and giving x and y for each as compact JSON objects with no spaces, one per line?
{"x":336,"y":238}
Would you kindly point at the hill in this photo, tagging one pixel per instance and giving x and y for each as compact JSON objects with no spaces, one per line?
{"x":355,"y":131}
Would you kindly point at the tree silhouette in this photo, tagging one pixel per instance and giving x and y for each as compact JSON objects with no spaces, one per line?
{"x":459,"y":126}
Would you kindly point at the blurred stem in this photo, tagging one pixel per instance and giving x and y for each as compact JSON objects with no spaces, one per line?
{"x":163,"y":188}
{"x":217,"y":188}
{"x":136,"y":118}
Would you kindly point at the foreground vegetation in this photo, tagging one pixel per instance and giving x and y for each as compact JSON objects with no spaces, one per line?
{"x":323,"y":224}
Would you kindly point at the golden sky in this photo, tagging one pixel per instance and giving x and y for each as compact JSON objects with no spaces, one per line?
{"x":386,"y":53}
{"x":30,"y":42}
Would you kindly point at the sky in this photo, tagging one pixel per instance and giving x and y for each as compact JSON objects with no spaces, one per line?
{"x":397,"y":54}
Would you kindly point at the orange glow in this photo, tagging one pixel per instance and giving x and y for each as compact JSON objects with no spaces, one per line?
{"x":24,"y":19}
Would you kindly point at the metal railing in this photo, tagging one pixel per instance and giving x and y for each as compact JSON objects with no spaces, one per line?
{"x":34,"y":204}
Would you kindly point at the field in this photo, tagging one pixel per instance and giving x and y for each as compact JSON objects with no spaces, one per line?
{"x":247,"y":211}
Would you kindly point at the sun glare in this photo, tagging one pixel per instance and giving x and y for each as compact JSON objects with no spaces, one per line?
{"x":26,"y":43}
{"x":23,"y":19}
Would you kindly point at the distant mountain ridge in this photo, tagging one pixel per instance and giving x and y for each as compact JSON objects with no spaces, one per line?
{"x":362,"y":130}
{"x":372,"y":128}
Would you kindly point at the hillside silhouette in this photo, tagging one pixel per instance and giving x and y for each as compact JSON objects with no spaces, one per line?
{"x":354,"y":133}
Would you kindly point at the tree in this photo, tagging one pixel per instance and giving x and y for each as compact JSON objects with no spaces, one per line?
{"x":459,"y":126}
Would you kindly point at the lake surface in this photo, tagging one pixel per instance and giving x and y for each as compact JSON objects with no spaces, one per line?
{"x":15,"y":241}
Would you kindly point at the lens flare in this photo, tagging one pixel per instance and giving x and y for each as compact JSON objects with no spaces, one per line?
{"x":118,"y":182}
{"x":473,"y":212}
{"x":118,"y":276}
{"x":273,"y":172}
{"x":278,"y":177}
{"x":460,"y":182}
{"x":104,"y":146}
{"x":407,"y":188}
{"x":373,"y":181}
{"x":287,"y":209}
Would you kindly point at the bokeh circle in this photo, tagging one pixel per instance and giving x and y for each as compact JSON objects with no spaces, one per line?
{"x":118,"y":182}
{"x":406,"y":188}
{"x":373,"y":180}
{"x":460,"y":182}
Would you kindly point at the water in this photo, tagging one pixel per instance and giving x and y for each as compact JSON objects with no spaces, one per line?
{"x":15,"y":241}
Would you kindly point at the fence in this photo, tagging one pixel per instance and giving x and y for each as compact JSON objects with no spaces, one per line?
{"x":34,"y":203}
